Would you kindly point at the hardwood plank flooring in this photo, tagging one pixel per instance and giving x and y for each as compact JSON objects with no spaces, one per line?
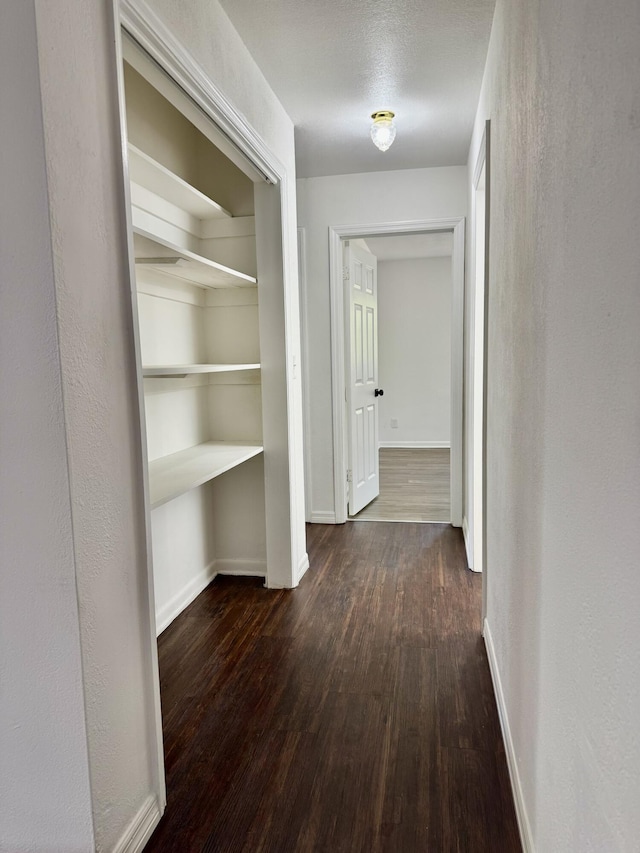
{"x":414,"y":486}
{"x":354,"y":714}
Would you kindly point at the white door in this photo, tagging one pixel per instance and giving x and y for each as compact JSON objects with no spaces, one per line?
{"x":361,"y":286}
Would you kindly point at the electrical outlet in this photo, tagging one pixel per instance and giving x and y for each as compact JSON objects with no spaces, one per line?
{"x":394,"y":423}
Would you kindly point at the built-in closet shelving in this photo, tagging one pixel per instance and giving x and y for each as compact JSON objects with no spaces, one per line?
{"x":197,"y":311}
{"x":154,"y":190}
{"x":168,"y":259}
{"x":149,"y":176}
{"x":173,"y":475}
{"x":182,"y":370}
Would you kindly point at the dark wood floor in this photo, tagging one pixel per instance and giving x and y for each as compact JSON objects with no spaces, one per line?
{"x":354,"y":714}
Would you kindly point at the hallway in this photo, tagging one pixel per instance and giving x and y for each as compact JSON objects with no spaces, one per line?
{"x":353,"y":714}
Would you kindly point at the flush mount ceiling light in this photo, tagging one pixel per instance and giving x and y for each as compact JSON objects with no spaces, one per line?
{"x":383,"y":130}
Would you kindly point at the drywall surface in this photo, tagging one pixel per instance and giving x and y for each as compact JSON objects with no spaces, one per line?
{"x":44,"y":768}
{"x":205,"y":30}
{"x":563,"y":502}
{"x":81,"y":133}
{"x":414,"y":351}
{"x":364,"y":199}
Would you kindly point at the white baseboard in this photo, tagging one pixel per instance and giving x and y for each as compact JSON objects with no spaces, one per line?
{"x":323,"y":518}
{"x":174,"y":607}
{"x":303,"y":565}
{"x":400,"y":444}
{"x":241,"y":568}
{"x":139,"y":830}
{"x":516,"y":786}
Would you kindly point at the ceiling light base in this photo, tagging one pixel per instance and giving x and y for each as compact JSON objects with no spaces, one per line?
{"x":383,"y":130}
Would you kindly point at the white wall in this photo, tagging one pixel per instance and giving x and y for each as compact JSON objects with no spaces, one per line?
{"x":414,"y":351}
{"x":350,"y":200}
{"x":564,"y":412}
{"x":43,"y":740}
{"x":83,"y":510}
{"x":79,"y":106}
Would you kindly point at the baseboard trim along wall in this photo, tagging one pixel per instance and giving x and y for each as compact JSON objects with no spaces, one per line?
{"x":141,"y":827}
{"x":323,"y":517}
{"x":235,"y":568}
{"x":174,"y":607}
{"x":516,"y":786}
{"x":241,"y":568}
{"x":302,"y":568}
{"x":399,"y":444}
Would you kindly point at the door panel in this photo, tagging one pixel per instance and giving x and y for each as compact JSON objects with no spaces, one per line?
{"x":372,"y":343}
{"x":362,"y":378}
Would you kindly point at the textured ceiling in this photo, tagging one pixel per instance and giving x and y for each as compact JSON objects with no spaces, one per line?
{"x":334,"y":62}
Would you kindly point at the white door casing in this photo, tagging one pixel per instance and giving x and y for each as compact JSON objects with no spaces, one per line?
{"x":477,"y":374}
{"x":337,"y":234}
{"x":361,"y":292}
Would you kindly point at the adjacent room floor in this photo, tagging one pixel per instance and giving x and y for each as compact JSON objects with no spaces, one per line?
{"x":414,"y":486}
{"x":352,"y":714}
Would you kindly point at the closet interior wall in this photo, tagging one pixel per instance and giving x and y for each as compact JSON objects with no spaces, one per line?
{"x":198,"y":321}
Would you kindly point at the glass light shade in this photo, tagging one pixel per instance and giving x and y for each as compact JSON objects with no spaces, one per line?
{"x":383,"y":130}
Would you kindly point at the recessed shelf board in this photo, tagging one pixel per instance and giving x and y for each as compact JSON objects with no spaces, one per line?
{"x":169,"y":259}
{"x":151,"y":175}
{"x":179,"y":370}
{"x":174,"y":475}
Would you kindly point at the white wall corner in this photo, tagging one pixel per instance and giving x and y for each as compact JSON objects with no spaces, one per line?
{"x":526,"y":836}
{"x":141,"y":827}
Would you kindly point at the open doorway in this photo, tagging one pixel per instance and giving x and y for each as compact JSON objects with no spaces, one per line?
{"x":455,"y":227}
{"x":412,"y":348}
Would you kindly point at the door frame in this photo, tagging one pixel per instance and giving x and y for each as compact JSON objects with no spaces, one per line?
{"x":478,"y":362}
{"x":338,"y":233}
{"x":483,"y":161}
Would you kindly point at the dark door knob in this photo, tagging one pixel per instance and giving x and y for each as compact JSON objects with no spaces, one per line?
{"x":378,"y":392}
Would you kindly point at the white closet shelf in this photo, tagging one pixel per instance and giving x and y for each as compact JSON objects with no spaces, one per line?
{"x":174,"y":475}
{"x":165,"y":257}
{"x":153,"y":176}
{"x":164,"y":370}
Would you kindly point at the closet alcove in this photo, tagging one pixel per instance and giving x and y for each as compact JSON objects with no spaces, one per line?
{"x":202,"y":219}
